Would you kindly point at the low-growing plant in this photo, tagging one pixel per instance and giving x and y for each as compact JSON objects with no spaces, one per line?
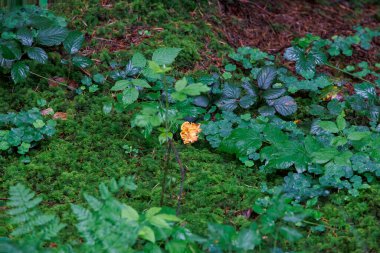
{"x":109,"y":225}
{"x":24,"y":130}
{"x":27,"y":32}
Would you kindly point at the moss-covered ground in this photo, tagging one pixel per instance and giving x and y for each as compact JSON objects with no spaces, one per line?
{"x":88,"y":148}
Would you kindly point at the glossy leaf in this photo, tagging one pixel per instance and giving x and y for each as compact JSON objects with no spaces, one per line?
{"x":165,"y":56}
{"x":82,"y":62}
{"x":19,"y":72}
{"x":52,"y":36}
{"x":73,"y":42}
{"x":266,"y":77}
{"x":37,"y":54}
{"x":25,"y":36}
{"x":285,"y":105}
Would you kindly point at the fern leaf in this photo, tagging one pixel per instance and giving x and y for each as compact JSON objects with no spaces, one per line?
{"x":29,"y":220}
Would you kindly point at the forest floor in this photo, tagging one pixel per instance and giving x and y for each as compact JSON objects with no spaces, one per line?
{"x":218,"y":188}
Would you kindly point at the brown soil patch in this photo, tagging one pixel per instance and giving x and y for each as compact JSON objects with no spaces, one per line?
{"x":272,"y":25}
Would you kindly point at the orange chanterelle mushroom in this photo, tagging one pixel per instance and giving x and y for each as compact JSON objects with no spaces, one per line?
{"x":189,"y":132}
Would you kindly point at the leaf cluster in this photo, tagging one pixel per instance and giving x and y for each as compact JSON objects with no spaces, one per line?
{"x":23,"y":130}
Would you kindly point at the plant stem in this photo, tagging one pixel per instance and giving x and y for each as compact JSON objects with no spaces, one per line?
{"x":182,"y":169}
{"x":48,"y":79}
{"x":348,"y":73}
{"x":168,"y":147}
{"x":316,"y":224}
{"x":165,"y":174}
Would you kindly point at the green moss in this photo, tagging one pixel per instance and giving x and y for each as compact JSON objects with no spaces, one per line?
{"x":144,"y":26}
{"x":88,"y":147}
{"x":353,"y":222}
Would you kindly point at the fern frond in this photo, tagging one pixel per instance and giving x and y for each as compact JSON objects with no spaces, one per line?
{"x":27,"y":217}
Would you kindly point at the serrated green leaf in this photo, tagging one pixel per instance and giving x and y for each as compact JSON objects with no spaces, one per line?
{"x":341,"y":122}
{"x":165,"y":56}
{"x":130,"y":95}
{"x":195,"y":89}
{"x":19,"y":72}
{"x":147,"y":233}
{"x":266,"y":77}
{"x":329,"y":126}
{"x":357,"y":136}
{"x":180,"y":84}
{"x":73,"y":42}
{"x":120,"y":85}
{"x":284,"y":105}
{"x":39,"y":123}
{"x":25,"y":36}
{"x":82,"y":62}
{"x":52,"y":36}
{"x":129,"y":213}
{"x":141,"y":83}
{"x":37,"y":54}
{"x":241,"y":142}
{"x":138,"y":60}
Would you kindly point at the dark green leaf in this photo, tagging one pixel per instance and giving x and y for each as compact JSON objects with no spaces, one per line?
{"x":230,"y":91}
{"x":52,"y":36}
{"x":37,"y":54}
{"x":265,"y":77}
{"x":165,"y":56}
{"x":228,"y":104}
{"x":25,"y":36}
{"x":247,"y":101}
{"x":273,"y":93}
{"x":285,"y":105}
{"x":82,"y":62}
{"x":293,"y":53}
{"x":130,"y":95}
{"x":241,"y":142}
{"x":73,"y":42}
{"x":201,"y":101}
{"x":267,"y":110}
{"x":19,"y":72}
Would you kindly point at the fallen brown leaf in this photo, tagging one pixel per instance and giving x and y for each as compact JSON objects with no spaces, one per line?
{"x":47,"y":111}
{"x":60,"y":115}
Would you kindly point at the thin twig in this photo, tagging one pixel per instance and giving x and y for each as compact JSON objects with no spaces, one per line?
{"x":182,"y":176}
{"x":165,"y":174}
{"x":48,"y":79}
{"x":348,"y":73}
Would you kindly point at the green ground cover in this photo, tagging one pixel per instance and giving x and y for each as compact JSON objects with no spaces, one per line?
{"x":88,"y":147}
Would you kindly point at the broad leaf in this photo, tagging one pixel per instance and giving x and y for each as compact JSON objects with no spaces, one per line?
{"x":130,"y":95}
{"x":120,"y":85}
{"x":329,"y":126}
{"x":247,"y":101}
{"x":140,"y":83}
{"x":201,"y":101}
{"x":19,"y":72}
{"x":138,"y":60}
{"x":265,"y":77}
{"x":82,"y":62}
{"x":241,"y":142}
{"x":73,"y":42}
{"x":37,"y":54}
{"x":273,"y":93}
{"x":284,"y":105}
{"x":25,"y":36}
{"x":165,"y":56}
{"x":52,"y":36}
